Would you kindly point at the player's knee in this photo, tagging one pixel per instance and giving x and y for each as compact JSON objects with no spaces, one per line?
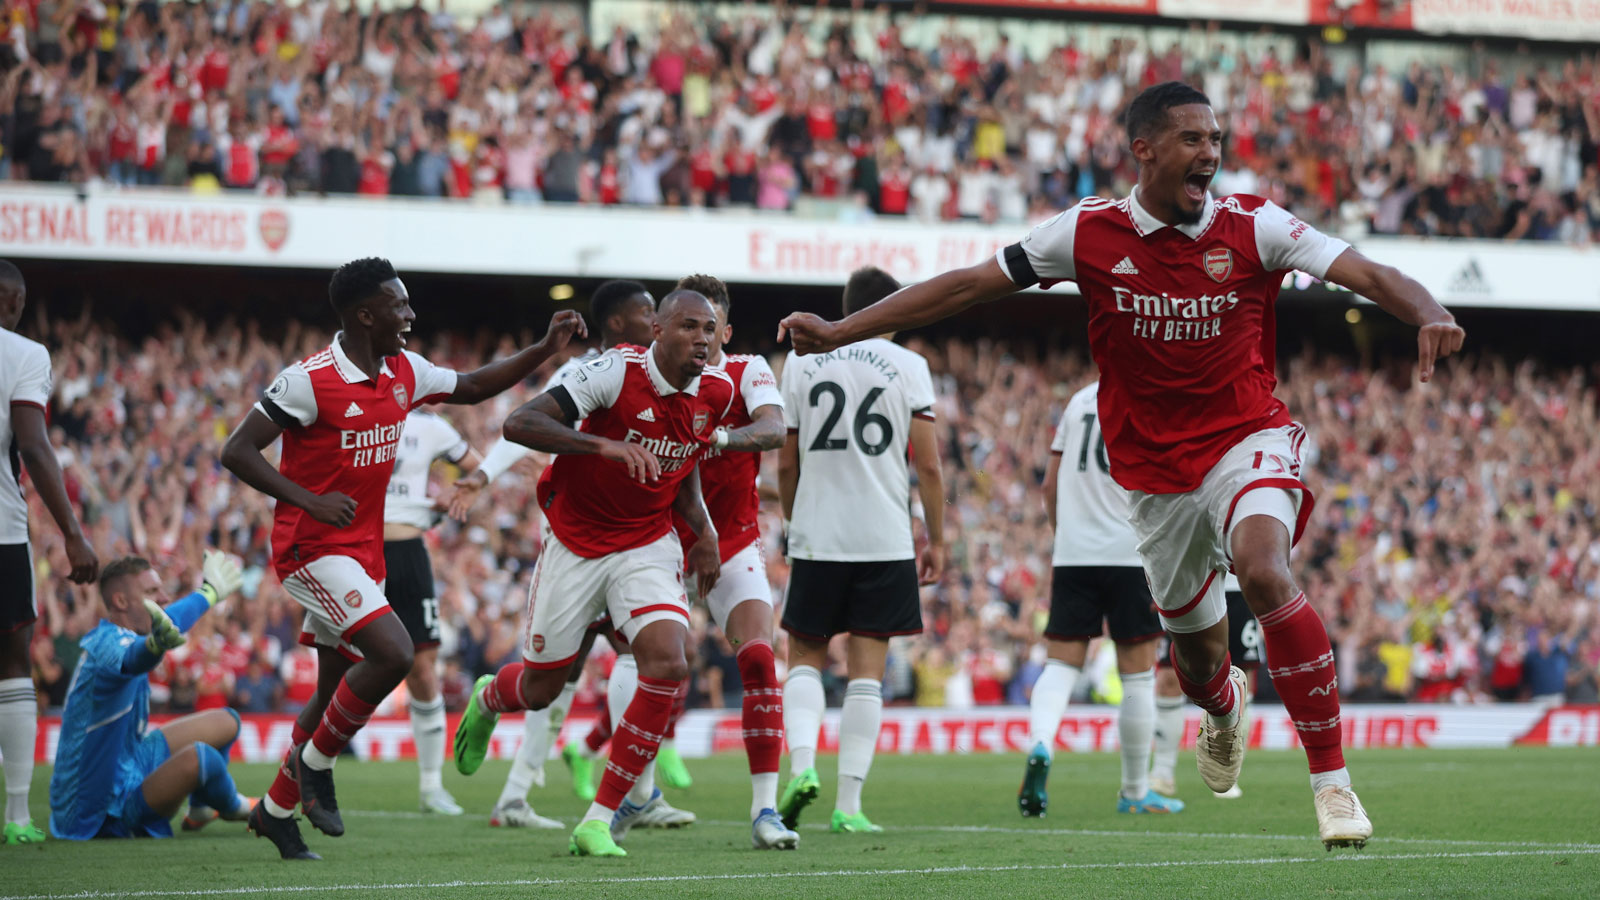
{"x":538,"y":688}
{"x":663,"y":666}
{"x":1265,"y":580}
{"x":188,"y":761}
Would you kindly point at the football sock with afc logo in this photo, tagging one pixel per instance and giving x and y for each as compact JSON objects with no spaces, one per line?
{"x":762,"y":722}
{"x":1303,"y":672}
{"x":284,"y":794}
{"x":634,"y":744}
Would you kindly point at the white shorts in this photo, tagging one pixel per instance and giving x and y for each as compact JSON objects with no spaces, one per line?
{"x":340,"y":598}
{"x":744,"y":577}
{"x":636,"y":587}
{"x":1185,"y":539}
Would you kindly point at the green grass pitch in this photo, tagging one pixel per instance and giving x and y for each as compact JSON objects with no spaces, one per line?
{"x":1475,"y":823}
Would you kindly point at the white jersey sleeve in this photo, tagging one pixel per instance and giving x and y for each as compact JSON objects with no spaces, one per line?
{"x":427,"y":437}
{"x":596,"y":384}
{"x":1092,"y":527}
{"x":759,"y":386}
{"x":1285,"y":242}
{"x":290,"y":400}
{"x":787,"y":390}
{"x":919,"y":387}
{"x":1045,"y":255}
{"x":32,"y":384}
{"x":434,"y":383}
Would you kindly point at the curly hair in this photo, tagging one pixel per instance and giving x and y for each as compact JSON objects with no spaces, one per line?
{"x":357,"y":280}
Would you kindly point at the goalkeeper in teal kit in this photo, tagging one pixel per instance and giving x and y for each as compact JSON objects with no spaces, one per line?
{"x":114,"y":777}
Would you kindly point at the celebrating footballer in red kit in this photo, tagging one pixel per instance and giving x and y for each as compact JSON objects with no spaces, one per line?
{"x":648,"y":415}
{"x":1180,"y":289}
{"x":340,"y":413}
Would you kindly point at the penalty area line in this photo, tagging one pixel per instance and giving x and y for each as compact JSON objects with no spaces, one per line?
{"x":1342,"y":859}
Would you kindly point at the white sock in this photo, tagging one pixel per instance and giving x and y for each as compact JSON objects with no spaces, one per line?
{"x":803,"y":703}
{"x":1049,"y":702}
{"x":316,"y":759}
{"x":1339,"y":777}
{"x":598,"y":813}
{"x":621,"y":687}
{"x":858,"y":739}
{"x":1136,"y":724}
{"x":427,"y":730}
{"x":763,"y":793}
{"x":19,"y":729}
{"x":645,"y":787}
{"x":556,"y":713}
{"x":274,"y":810}
{"x":528,"y":764}
{"x":1170,"y":714}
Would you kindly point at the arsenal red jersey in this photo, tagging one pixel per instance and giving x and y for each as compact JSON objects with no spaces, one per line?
{"x":1181,"y":323}
{"x":340,"y":430}
{"x":593,"y":506}
{"x":728,"y":480}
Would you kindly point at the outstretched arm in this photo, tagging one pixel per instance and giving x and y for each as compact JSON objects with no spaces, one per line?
{"x":484,"y":382}
{"x":920,"y":304}
{"x":1404,"y":298}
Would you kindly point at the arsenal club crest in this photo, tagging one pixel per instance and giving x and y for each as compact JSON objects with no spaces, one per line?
{"x":1218,"y":263}
{"x":274,"y":226}
{"x":538,"y":643}
{"x":700,"y":420}
{"x":353,"y":599}
{"x":400,"y":395}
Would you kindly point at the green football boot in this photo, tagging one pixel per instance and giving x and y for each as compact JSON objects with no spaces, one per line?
{"x":797,"y":795}
{"x":473,"y":733}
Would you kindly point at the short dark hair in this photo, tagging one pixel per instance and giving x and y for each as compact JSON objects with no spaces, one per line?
{"x":674,"y":296}
{"x":711,"y":287}
{"x":1148,"y":111}
{"x":357,"y":280}
{"x":118,"y":569}
{"x":867,"y":285}
{"x":609,"y":297}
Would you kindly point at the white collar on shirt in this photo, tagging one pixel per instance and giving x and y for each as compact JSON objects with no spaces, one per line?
{"x":660,"y":381}
{"x":349,"y":371}
{"x":1147,"y":224}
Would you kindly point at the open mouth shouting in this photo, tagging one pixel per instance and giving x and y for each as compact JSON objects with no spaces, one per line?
{"x":1195,"y":184}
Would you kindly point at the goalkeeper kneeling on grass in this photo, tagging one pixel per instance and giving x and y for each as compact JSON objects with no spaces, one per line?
{"x":114,"y":777}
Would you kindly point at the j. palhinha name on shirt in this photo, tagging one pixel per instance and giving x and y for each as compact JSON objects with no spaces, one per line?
{"x":853,"y":353}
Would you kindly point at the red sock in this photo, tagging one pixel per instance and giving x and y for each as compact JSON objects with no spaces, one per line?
{"x":346,"y":714}
{"x":504,"y":693}
{"x":679,"y":701}
{"x":1301,"y":668}
{"x":1215,"y":695}
{"x":601,"y":732}
{"x":637,"y":738}
{"x":285,"y":791}
{"x":763,"y":707}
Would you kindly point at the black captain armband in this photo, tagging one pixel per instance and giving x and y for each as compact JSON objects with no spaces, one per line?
{"x":1018,"y":267}
{"x":563,"y":398}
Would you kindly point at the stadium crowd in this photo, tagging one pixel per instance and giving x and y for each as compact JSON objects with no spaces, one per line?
{"x":1454,"y":551}
{"x":872,"y":112}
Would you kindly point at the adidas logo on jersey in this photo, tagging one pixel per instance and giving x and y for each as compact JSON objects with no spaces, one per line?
{"x":649,"y":415}
{"x":353,"y":411}
{"x":1126,"y":267}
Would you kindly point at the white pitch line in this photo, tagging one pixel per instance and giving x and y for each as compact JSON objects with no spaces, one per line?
{"x":835,"y":873}
{"x":1093,"y":832}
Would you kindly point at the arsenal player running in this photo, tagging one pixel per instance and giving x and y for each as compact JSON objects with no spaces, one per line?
{"x":741,"y":603}
{"x":648,"y":414}
{"x":1180,"y":288}
{"x":340,"y":412}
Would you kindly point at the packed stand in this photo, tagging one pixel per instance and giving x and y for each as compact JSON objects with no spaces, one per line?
{"x":868,"y":113}
{"x":1454,"y":551}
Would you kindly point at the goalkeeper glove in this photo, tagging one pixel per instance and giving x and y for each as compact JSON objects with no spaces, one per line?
{"x":222,"y":576}
{"x":164,"y":635}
